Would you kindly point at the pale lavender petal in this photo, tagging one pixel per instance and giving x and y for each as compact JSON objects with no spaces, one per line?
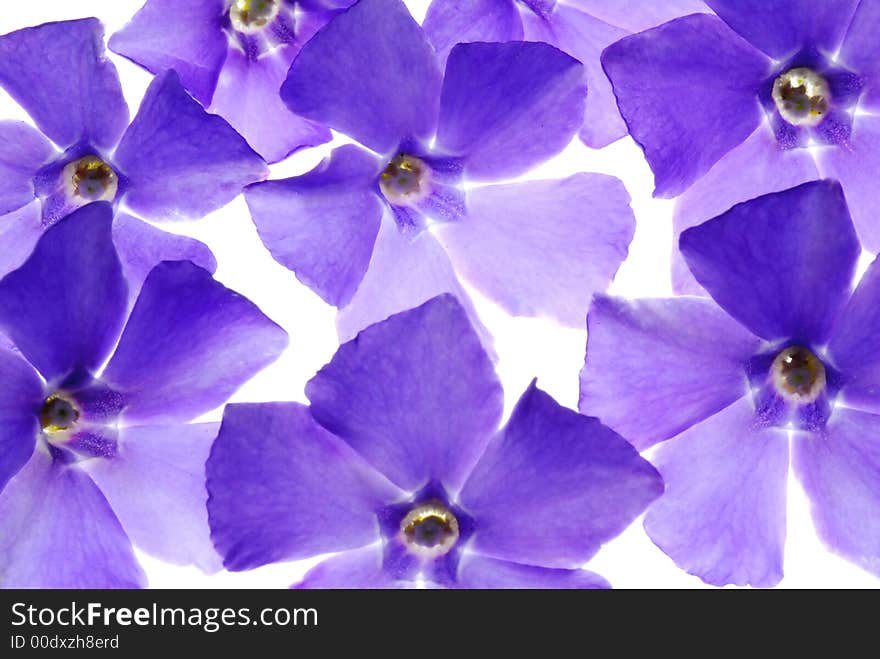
{"x":722,"y":517}
{"x":449,"y":22}
{"x":416,"y":395}
{"x":19,"y":232}
{"x":861,"y":51}
{"x":638,"y":15}
{"x":477,"y":571}
{"x":358,"y":568}
{"x":20,"y":401}
{"x":543,"y":247}
{"x":23,"y":151}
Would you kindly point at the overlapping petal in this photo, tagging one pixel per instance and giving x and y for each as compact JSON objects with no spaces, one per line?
{"x":861,"y":50}
{"x":358,"y":568}
{"x":450,"y":22}
{"x":23,"y":151}
{"x":20,"y":400}
{"x":638,"y":15}
{"x":477,"y":571}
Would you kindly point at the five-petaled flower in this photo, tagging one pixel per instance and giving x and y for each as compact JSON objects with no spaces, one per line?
{"x":399,"y":464}
{"x":95,"y":448}
{"x":785,"y":349}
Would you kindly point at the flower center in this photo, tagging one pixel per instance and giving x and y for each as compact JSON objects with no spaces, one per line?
{"x":801,"y":96}
{"x":405,"y":179}
{"x":250,"y":16}
{"x":91,"y":179}
{"x":58,"y":414}
{"x":798,"y":375}
{"x":429,"y":529}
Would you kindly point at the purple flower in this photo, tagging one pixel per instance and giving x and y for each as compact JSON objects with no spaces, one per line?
{"x":764,"y":98}
{"x":540,"y":247}
{"x":785,"y":350}
{"x":233,"y":55}
{"x":399,"y":465}
{"x":95,"y":448}
{"x":581,"y":28}
{"x":174,"y":161}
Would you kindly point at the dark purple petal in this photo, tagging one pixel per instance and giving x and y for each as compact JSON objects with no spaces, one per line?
{"x":449,"y":22}
{"x":757,"y":166}
{"x":781,"y":264}
{"x":506,"y":107}
{"x":855,"y":344}
{"x":416,"y":395}
{"x":687,"y":90}
{"x":247,"y":97}
{"x":553,"y":486}
{"x":19,"y":232}
{"x":20,"y":401}
{"x":861,"y":51}
{"x":59,"y":532}
{"x":323,"y":224}
{"x":656,"y":367}
{"x":189,"y":343}
{"x":404,"y":272}
{"x":61,"y":76}
{"x":180,"y":161}
{"x":543,"y":247}
{"x":23,"y":151}
{"x":477,"y":571}
{"x":281,"y":487}
{"x":370,"y":73}
{"x":854,"y":165}
{"x":65,"y":306}
{"x":156,"y":486}
{"x":783,"y":27}
{"x":638,"y":15}
{"x":840,"y":471}
{"x":359,"y":568}
{"x":722,"y":517}
{"x":185,"y":36}
{"x":142,"y":246}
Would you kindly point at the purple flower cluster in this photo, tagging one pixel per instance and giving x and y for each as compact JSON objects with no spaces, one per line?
{"x":116,"y":339}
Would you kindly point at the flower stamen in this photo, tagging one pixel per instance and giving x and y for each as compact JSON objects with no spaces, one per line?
{"x":58,"y":414}
{"x":91,"y":179}
{"x":251,"y":16}
{"x":405,"y":179}
{"x":802,"y":97}
{"x":429,"y":530}
{"x":798,"y":375}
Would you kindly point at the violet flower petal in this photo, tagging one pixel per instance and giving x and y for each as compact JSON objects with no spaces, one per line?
{"x":642,"y":354}
{"x":166,"y":363}
{"x":358,"y":568}
{"x":781,"y":264}
{"x":450,"y":22}
{"x":754,"y":168}
{"x":370,"y":73}
{"x":281,"y":487}
{"x":323,"y":224}
{"x":59,"y":532}
{"x":861,"y":51}
{"x":543,"y":247}
{"x":20,"y":401}
{"x":477,"y":571}
{"x":840,"y":471}
{"x":184,"y":36}
{"x":854,"y":348}
{"x":156,"y":486}
{"x":19,"y":232}
{"x":722,"y":517}
{"x":23,"y":151}
{"x":782,"y":27}
{"x":59,"y":74}
{"x":687,"y":91}
{"x":638,"y":15}
{"x":180,"y":161}
{"x":416,"y":395}
{"x":554,"y":485}
{"x":64,"y":307}
{"x":506,"y":107}
{"x":141,"y":246}
{"x":854,"y":164}
{"x":247,"y":97}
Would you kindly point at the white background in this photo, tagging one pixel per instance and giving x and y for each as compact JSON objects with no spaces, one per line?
{"x":526,"y":347}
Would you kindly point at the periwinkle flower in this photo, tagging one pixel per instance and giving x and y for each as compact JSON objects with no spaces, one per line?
{"x":96,"y":451}
{"x":398,"y":464}
{"x":768,"y":96}
{"x":540,"y":247}
{"x":232,"y":55}
{"x":581,"y":28}
{"x":173,"y":161}
{"x":785,"y":360}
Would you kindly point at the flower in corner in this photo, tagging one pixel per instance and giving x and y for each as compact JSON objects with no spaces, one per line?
{"x":761,"y":98}
{"x":535,"y":248}
{"x":173,"y":161}
{"x":783,"y":360}
{"x":398,"y":464}
{"x":96,"y":451}
{"x":232,"y":55}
